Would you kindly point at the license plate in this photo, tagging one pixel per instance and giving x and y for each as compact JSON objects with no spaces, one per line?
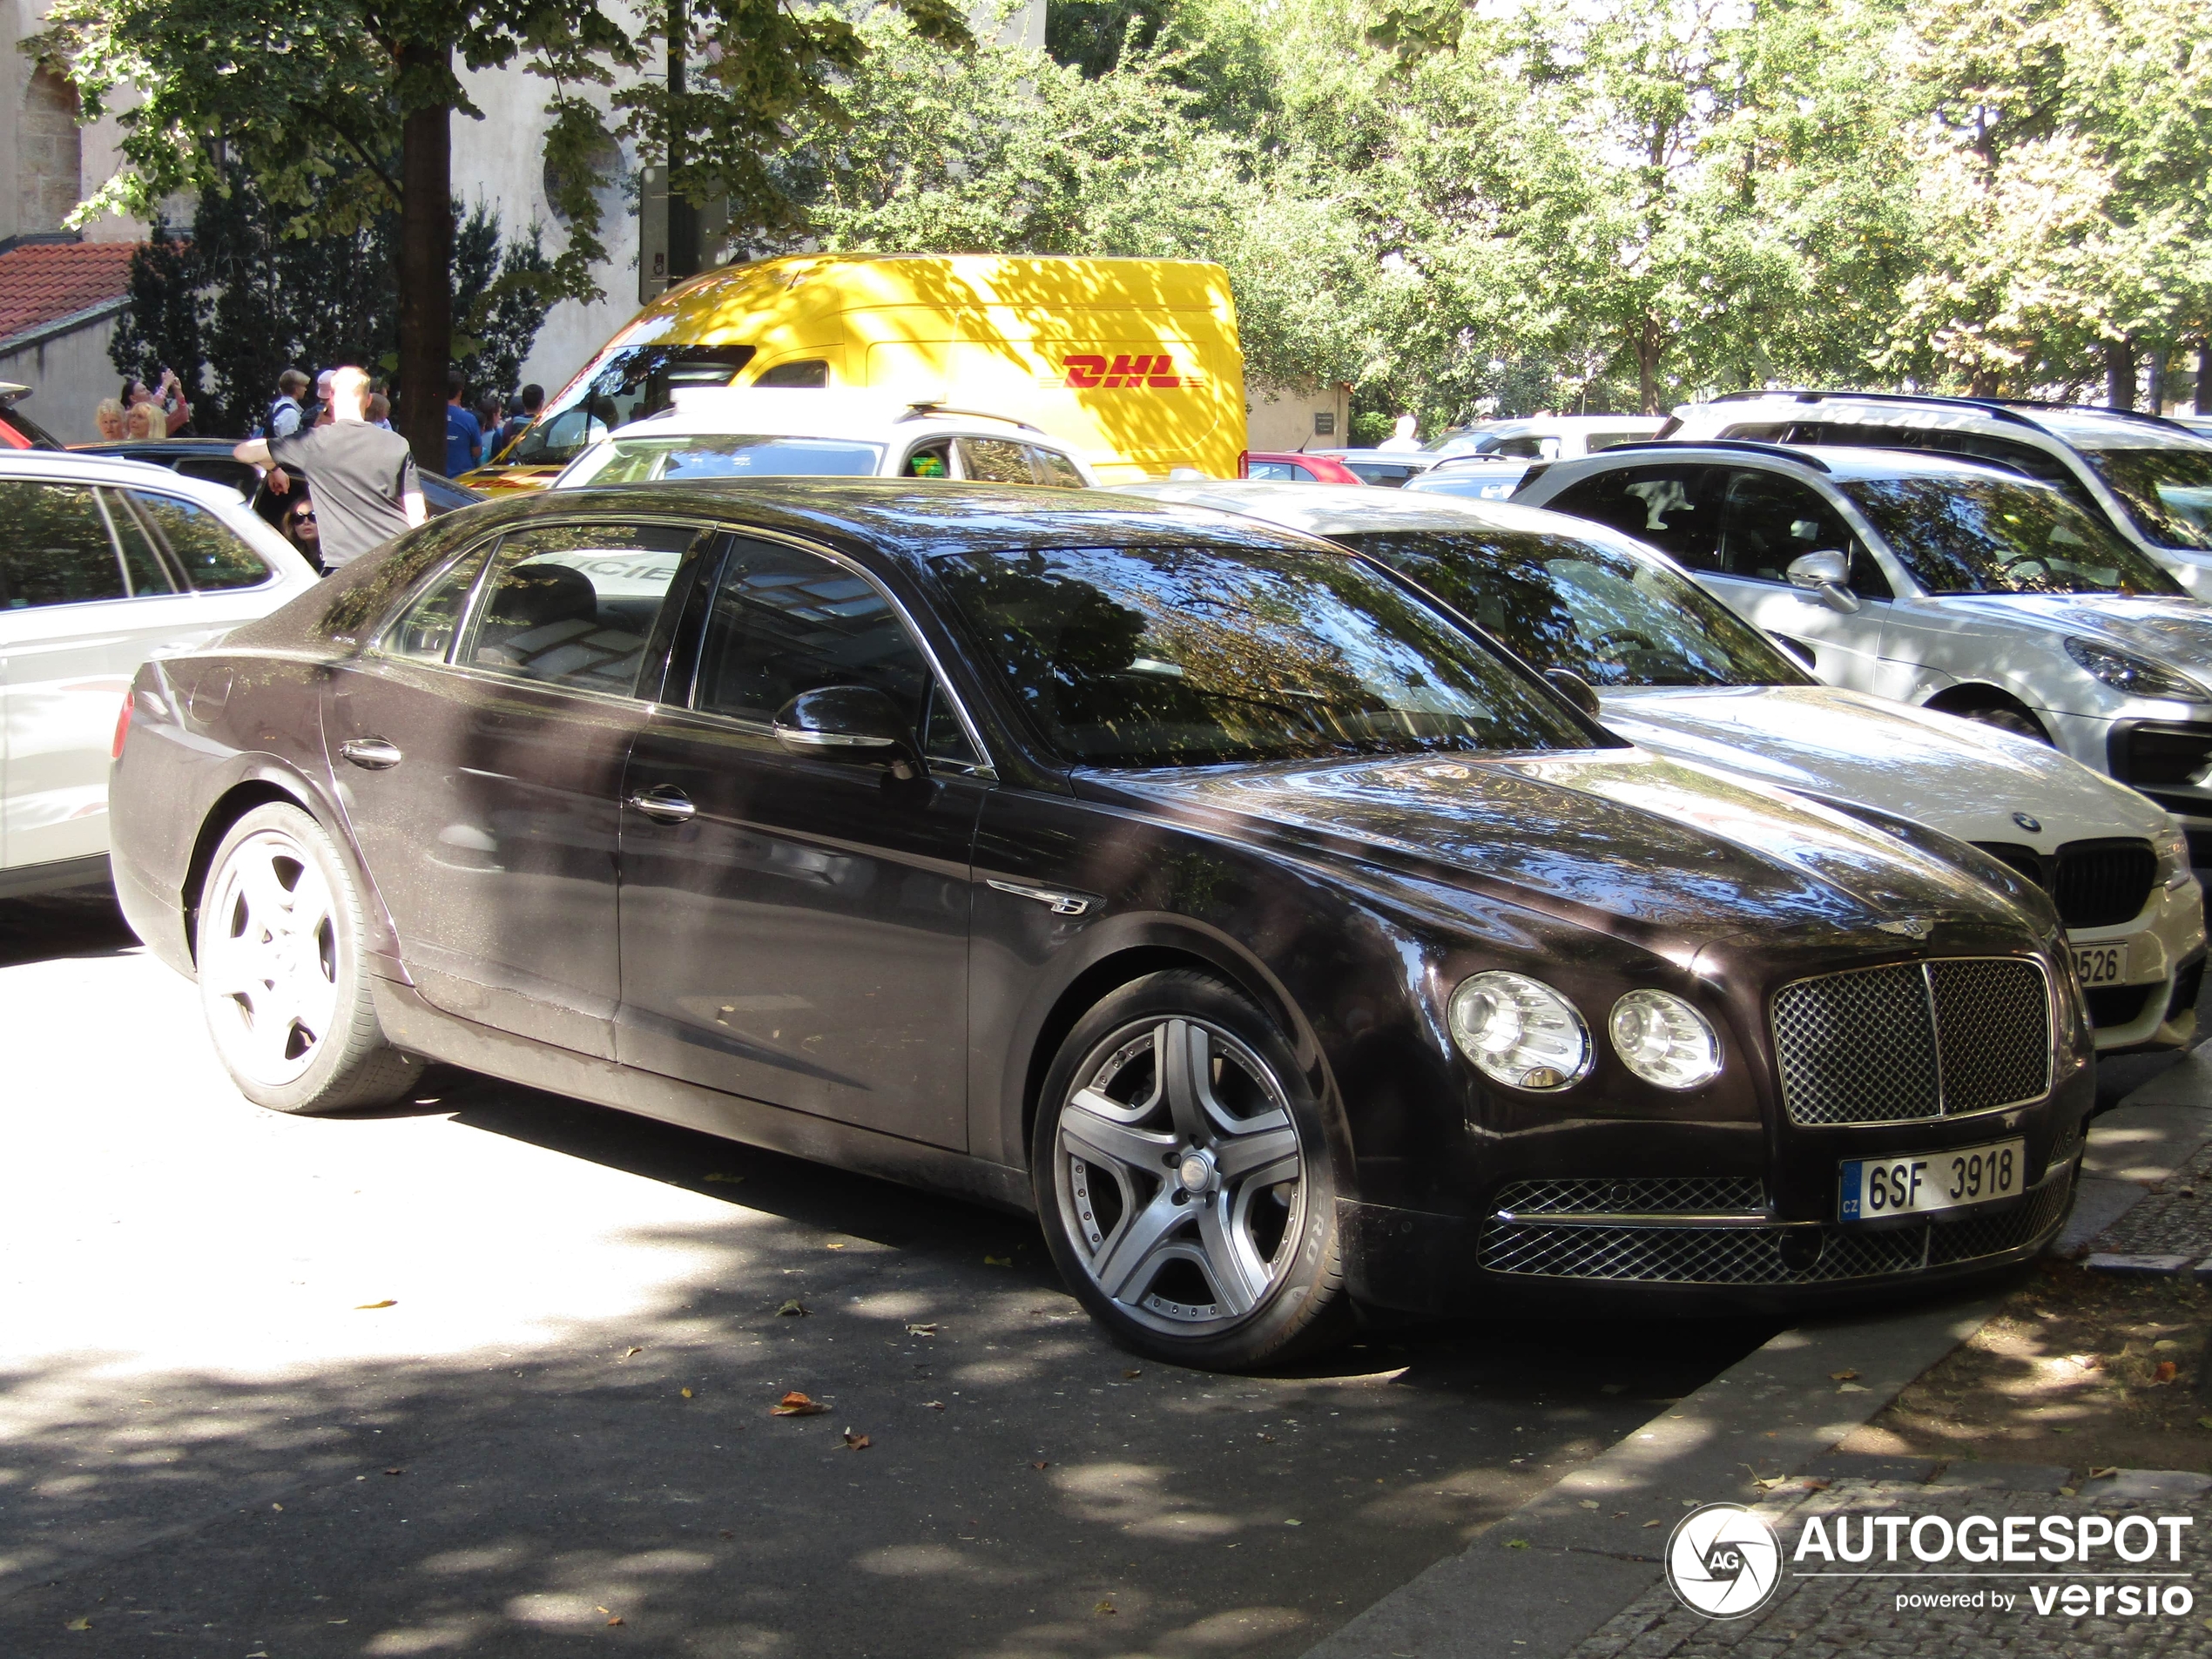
{"x":1922,"y":1182}
{"x":2100,"y":964}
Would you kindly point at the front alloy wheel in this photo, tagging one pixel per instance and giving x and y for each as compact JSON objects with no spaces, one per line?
{"x":1192,"y":1211}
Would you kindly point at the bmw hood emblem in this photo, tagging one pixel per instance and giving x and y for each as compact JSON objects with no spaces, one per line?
{"x":2032,"y":825}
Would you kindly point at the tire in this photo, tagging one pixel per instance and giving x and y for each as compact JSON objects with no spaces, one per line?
{"x":281,"y":981}
{"x":2005,"y":717}
{"x":1243,"y":1269}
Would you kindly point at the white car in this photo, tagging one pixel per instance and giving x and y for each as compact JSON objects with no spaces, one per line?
{"x":103,"y":564}
{"x":713,"y":433}
{"x":1678,"y":673}
{"x":2147,"y":478}
{"x":1547,"y":437}
{"x":1938,"y":583}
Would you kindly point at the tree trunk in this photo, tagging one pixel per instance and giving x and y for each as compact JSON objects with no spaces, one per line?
{"x":1650,"y":347}
{"x":2119,"y":373}
{"x":682,"y":218}
{"x":2204,"y":377}
{"x":2154,"y":380}
{"x":425,"y":270}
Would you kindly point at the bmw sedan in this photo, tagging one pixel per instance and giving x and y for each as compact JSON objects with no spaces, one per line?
{"x":1281,"y":944}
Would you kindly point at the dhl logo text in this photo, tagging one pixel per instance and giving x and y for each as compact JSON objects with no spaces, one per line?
{"x":1124,"y":372}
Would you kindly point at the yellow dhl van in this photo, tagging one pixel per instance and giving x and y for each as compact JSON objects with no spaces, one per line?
{"x":1134,"y":362}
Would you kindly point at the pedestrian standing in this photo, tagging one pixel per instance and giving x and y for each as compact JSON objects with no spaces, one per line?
{"x":464,"y":438}
{"x":517,"y":423}
{"x":108,"y":417}
{"x":380,"y":410}
{"x":144,"y":420}
{"x":285,"y":412}
{"x":363,"y":478}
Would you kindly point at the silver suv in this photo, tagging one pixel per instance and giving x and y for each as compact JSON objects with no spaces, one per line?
{"x":1937,"y":582}
{"x":2149,"y":477}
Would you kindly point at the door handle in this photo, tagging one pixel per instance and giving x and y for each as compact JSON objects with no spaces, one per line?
{"x":374,"y":753}
{"x":664,"y":804}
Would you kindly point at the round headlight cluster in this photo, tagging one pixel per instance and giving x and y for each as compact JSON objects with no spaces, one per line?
{"x":1664,"y":1041}
{"x":1520,"y":1031}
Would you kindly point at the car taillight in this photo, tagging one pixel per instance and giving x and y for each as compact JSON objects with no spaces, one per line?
{"x":122,"y":728}
{"x":1243,"y":464}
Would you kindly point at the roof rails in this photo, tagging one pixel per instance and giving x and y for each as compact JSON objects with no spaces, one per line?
{"x":2100,"y":408}
{"x":1989,"y":406}
{"x":927,"y":410}
{"x":1777,"y":451}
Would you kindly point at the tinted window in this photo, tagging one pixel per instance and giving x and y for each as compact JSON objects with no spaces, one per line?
{"x":1279,"y":472}
{"x":2167,"y":490}
{"x":810,"y":376}
{"x":56,"y":550}
{"x":932,"y":460}
{"x":425,"y":632}
{"x":786,"y":620}
{"x":143,"y":570}
{"x":1390,"y":475}
{"x":1562,"y":603}
{"x":1053,"y":467}
{"x":1768,"y":520}
{"x":573,"y":604}
{"x":207,"y":551}
{"x":218,"y":469}
{"x":1993,"y":535}
{"x":1657,"y":504}
{"x":1598,"y":441}
{"x":1179,"y":655}
{"x":626,"y":384}
{"x":995,"y":461}
{"x":636,"y":461}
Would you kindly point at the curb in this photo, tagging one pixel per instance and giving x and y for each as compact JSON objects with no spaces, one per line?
{"x":1578,"y":1553}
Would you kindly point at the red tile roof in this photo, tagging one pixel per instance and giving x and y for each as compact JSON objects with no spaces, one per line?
{"x":50,"y":280}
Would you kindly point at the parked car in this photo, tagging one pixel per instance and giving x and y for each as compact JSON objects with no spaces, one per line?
{"x":1297,"y":468}
{"x":1473,"y":478}
{"x":1939,"y":583}
{"x":103,"y":563}
{"x":1676,"y":671}
{"x":1282,"y":943}
{"x":211,"y":458}
{"x":2149,"y":478}
{"x":1547,"y":437}
{"x":17,"y":429}
{"x":1391,"y":468}
{"x":709,"y":433}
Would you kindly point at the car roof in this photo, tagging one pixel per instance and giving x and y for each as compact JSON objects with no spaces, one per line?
{"x":2082,"y":425}
{"x":796,"y":412}
{"x":1839,"y":462}
{"x":77,"y":465}
{"x":1343,"y":509}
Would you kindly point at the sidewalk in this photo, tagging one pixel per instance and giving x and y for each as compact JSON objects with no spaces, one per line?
{"x":1576,"y":1572}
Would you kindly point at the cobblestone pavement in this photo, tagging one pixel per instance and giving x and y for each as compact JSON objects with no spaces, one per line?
{"x":1818,"y":1617}
{"x":2174,"y":1219}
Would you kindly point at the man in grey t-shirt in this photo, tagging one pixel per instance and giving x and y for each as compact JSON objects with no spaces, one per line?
{"x":363,"y":476}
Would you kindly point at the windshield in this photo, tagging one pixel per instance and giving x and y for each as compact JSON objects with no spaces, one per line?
{"x":1183,"y":656}
{"x":713,"y":455}
{"x":1562,"y":602}
{"x":1960,"y":535}
{"x":625,"y":384}
{"x":2167,"y":490}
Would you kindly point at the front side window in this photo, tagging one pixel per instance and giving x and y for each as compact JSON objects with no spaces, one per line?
{"x":1659,"y":505}
{"x":1183,"y":656}
{"x":1769,"y":520}
{"x":995,"y":461}
{"x":1611,"y":616}
{"x":626,"y":384}
{"x":2167,"y":490}
{"x":689,"y":456}
{"x":211,"y":555}
{"x":1997,"y":535}
{"x":57,"y":550}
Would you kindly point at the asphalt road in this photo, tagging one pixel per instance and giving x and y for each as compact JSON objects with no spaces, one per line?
{"x":491,"y":1375}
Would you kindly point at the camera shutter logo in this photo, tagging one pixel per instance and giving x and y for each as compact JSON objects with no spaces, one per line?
{"x":1723,"y":1561}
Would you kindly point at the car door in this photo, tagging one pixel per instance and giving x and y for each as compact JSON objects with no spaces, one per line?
{"x":795,"y":929}
{"x":477,"y":748}
{"x":80,"y":612}
{"x":1766,"y":520}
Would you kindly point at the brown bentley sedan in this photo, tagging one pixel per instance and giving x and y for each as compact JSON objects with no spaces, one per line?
{"x":1281,"y":943}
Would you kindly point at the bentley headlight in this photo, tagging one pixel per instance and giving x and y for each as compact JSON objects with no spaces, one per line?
{"x":2174,"y":862}
{"x":1520,"y":1031}
{"x":2137,"y":676}
{"x":1664,"y":1041}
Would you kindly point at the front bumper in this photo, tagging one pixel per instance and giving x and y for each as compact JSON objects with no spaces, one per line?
{"x":2154,"y":1006}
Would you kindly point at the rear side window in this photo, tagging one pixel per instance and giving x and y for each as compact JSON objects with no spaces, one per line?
{"x":210,"y":554}
{"x":1279,"y":472}
{"x":995,"y":461}
{"x":1053,"y":467}
{"x":57,"y":550}
{"x":1660,"y":505}
{"x":810,"y":375}
{"x":572,"y":605}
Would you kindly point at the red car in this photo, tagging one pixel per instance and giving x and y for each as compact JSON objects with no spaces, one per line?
{"x":1298,"y":470}
{"x":18,"y":431}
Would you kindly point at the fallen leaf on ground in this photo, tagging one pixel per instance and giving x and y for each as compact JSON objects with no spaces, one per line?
{"x":2067,"y":1491}
{"x":1130,"y":1376}
{"x":1103,"y":1607}
{"x":2204,"y":1422}
{"x":632,"y":1354}
{"x":396,"y":1471}
{"x":834,"y":1243}
{"x":998,"y":1261}
{"x":364,"y":1307}
{"x":932,"y":1405}
{"x":687,"y":1393}
{"x":1767,"y":1483}
{"x":2165,"y":1372}
{"x":2096,"y":1474}
{"x":1041,"y":1466}
{"x":921,"y":1330}
{"x":794,"y":1305}
{"x":80,"y":1624}
{"x":612,"y":1618}
{"x":856,"y":1442}
{"x":1294,"y":1523}
{"x":1816,"y":1486}
{"x":797,"y":1405}
{"x":1854,"y":1388}
{"x":2086,"y":1361}
{"x":276,"y":1505}
{"x":1589,"y":1503}
{"x":1654,"y":1523}
{"x":2165,"y":1344}
{"x":732,"y":1179}
{"x":1843,"y":1376}
{"x":1516,"y":1543}
{"x":2067,"y":1430}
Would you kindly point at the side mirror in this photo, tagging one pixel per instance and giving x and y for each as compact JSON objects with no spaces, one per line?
{"x":1574,"y":689}
{"x":1827,"y":572}
{"x":855,"y":723}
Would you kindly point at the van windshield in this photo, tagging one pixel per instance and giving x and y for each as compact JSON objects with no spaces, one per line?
{"x":625,"y":384}
{"x":2167,"y":489}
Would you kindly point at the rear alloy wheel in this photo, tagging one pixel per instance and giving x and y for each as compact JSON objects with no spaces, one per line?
{"x":280,"y":978}
{"x":1183,"y":1178}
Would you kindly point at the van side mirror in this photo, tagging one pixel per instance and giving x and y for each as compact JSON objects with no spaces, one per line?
{"x":854,"y":724}
{"x":1827,"y":572}
{"x":1574,"y":689}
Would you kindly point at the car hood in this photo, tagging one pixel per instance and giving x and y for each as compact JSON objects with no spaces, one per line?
{"x":1604,"y":838}
{"x":1965,"y":779}
{"x":2171,"y":629}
